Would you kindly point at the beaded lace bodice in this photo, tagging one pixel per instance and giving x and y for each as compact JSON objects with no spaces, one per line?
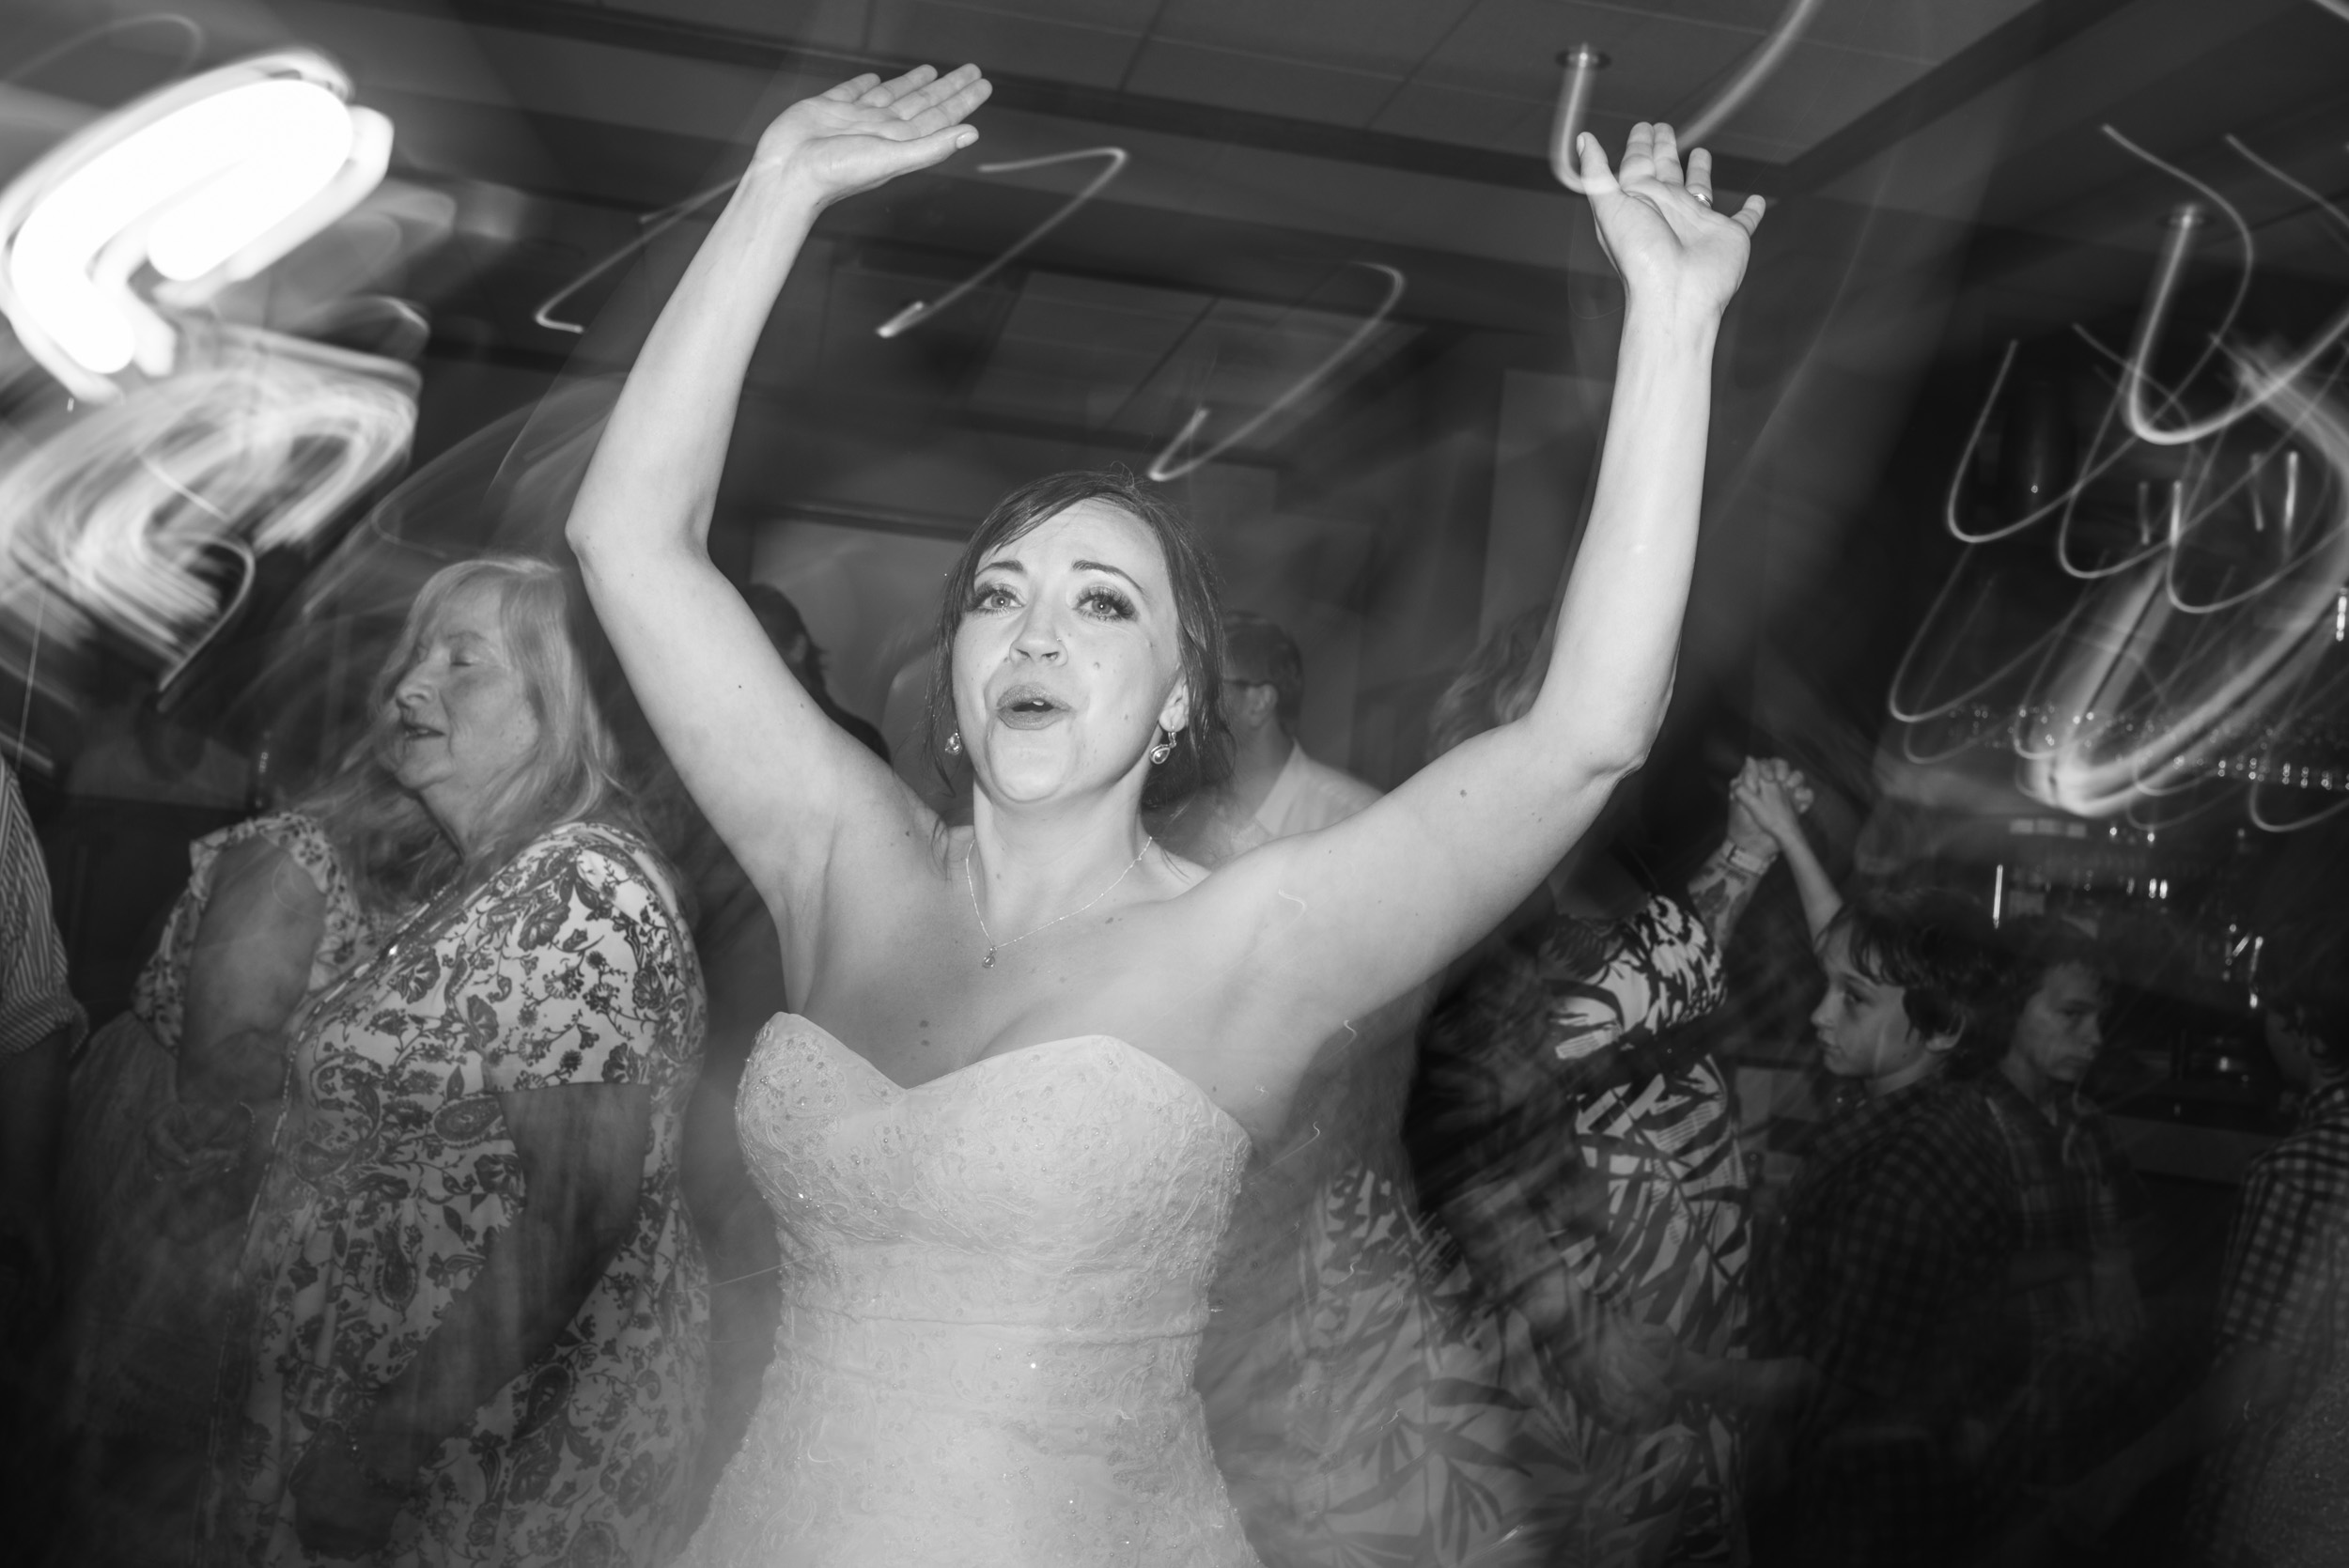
{"x":994,"y":1285}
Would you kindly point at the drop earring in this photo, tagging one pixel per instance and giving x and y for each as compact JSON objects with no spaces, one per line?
{"x":953,"y":744}
{"x":1164,"y":749}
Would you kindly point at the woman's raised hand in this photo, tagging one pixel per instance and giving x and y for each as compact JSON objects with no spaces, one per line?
{"x":867,"y":132}
{"x":1657,"y":223}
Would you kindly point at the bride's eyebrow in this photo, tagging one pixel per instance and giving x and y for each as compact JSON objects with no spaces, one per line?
{"x":1113,"y":571}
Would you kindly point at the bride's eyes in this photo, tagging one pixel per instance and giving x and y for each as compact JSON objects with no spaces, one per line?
{"x":991,"y":596}
{"x":1106,"y":602}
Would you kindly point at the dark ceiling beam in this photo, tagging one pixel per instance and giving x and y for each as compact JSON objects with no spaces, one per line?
{"x":706,"y":42}
{"x":2004,"y":51}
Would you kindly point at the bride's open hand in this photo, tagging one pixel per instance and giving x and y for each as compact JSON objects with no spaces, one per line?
{"x":1657,"y":223}
{"x":867,"y":132}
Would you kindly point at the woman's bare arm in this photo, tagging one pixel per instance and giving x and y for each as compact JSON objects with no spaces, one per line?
{"x":775,"y":776}
{"x":1341,"y":919}
{"x":247,"y":971}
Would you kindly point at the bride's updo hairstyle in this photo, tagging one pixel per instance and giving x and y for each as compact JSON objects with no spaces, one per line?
{"x":1201,"y":754}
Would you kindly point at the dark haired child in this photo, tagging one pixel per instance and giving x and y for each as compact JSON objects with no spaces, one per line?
{"x":1893,"y":1243}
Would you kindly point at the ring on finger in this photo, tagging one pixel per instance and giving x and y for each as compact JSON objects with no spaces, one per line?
{"x":1701,"y":195}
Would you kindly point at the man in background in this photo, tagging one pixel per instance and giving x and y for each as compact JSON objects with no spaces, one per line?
{"x":1275,"y":790}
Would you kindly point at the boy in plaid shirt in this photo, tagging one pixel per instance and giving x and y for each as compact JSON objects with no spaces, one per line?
{"x":1894,"y":1240}
{"x":2281,"y":1332}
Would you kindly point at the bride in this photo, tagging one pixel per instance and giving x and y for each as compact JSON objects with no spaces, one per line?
{"x":1032,"y":1055}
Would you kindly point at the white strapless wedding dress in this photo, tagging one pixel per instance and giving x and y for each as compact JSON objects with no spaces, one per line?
{"x":994,"y":1285}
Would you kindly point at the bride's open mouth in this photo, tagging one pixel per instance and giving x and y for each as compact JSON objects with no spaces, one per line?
{"x":1028,"y":707}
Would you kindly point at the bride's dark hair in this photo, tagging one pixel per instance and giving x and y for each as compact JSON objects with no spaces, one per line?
{"x":1201,"y":754}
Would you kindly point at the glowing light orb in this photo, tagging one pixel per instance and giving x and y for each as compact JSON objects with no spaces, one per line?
{"x":201,"y":184}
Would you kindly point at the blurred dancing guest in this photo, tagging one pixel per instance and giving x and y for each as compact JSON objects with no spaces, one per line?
{"x":1036,"y":1052}
{"x":1361,"y":1400}
{"x":1587,"y":1157}
{"x":478,"y":1320}
{"x":1274,"y":790}
{"x":2073,"y":1312}
{"x":172,"y":1105}
{"x":1885,"y":1274}
{"x":2271,"y":1417}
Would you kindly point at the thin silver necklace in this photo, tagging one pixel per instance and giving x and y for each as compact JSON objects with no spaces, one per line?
{"x":993,"y":947}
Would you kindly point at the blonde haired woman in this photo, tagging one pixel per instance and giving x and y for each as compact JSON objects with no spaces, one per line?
{"x":477,"y":1315}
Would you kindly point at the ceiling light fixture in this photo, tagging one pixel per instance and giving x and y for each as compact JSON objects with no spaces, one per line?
{"x":171,"y":199}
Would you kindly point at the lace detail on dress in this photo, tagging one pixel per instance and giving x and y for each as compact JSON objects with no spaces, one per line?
{"x":994,"y":1285}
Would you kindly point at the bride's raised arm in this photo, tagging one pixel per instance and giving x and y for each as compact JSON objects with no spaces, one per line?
{"x":775,"y":777}
{"x":1345,"y":918}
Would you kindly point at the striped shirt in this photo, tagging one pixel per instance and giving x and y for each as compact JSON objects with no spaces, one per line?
{"x":34,"y":1002}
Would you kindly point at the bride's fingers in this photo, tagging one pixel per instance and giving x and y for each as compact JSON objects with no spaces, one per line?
{"x":922,"y":97}
{"x":1701,"y":176}
{"x":1639,"y":152}
{"x":953,"y":111}
{"x":898,"y":86}
{"x":920,"y":152}
{"x":1748,"y":217}
{"x":852,"y":89}
{"x":1591,"y":160}
{"x":1667,"y":154}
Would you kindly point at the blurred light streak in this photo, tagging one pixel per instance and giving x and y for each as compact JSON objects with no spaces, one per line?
{"x":920,"y":311}
{"x":654,"y":226}
{"x":656,"y":223}
{"x":1582,"y":62}
{"x":2263,"y":656}
{"x":2096,"y":466}
{"x":116,"y":509}
{"x":1163,"y":468}
{"x":2258,"y":386}
{"x":207,"y":183}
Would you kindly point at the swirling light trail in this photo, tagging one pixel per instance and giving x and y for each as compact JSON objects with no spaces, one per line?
{"x":920,"y":311}
{"x":116,"y":508}
{"x":203,"y":183}
{"x":2258,"y":389}
{"x":1582,"y":62}
{"x":656,"y":223}
{"x":1163,"y":468}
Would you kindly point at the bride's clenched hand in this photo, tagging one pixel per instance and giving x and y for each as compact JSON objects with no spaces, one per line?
{"x":867,"y":132}
{"x":1657,"y":223}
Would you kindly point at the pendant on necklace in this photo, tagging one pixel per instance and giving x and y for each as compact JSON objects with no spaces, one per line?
{"x":987,"y":962}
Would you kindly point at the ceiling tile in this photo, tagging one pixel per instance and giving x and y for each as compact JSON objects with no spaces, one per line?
{"x":815,"y":24}
{"x":1510,"y":48}
{"x":1440,"y":114}
{"x":1232,"y":80}
{"x":947,"y":34}
{"x":1814,"y":93}
{"x":1380,"y":37}
{"x":1913,"y":29}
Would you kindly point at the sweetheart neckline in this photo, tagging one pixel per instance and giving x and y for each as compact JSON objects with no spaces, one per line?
{"x":1180,"y":1077}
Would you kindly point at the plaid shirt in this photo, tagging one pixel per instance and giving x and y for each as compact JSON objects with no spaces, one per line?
{"x":33,"y":1001}
{"x":2284,"y":1287}
{"x":2070,"y":1195}
{"x":1894,"y":1238}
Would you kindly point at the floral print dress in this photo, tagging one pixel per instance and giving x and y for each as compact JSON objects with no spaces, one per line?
{"x":1557,"y":1115}
{"x":394,"y":1176}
